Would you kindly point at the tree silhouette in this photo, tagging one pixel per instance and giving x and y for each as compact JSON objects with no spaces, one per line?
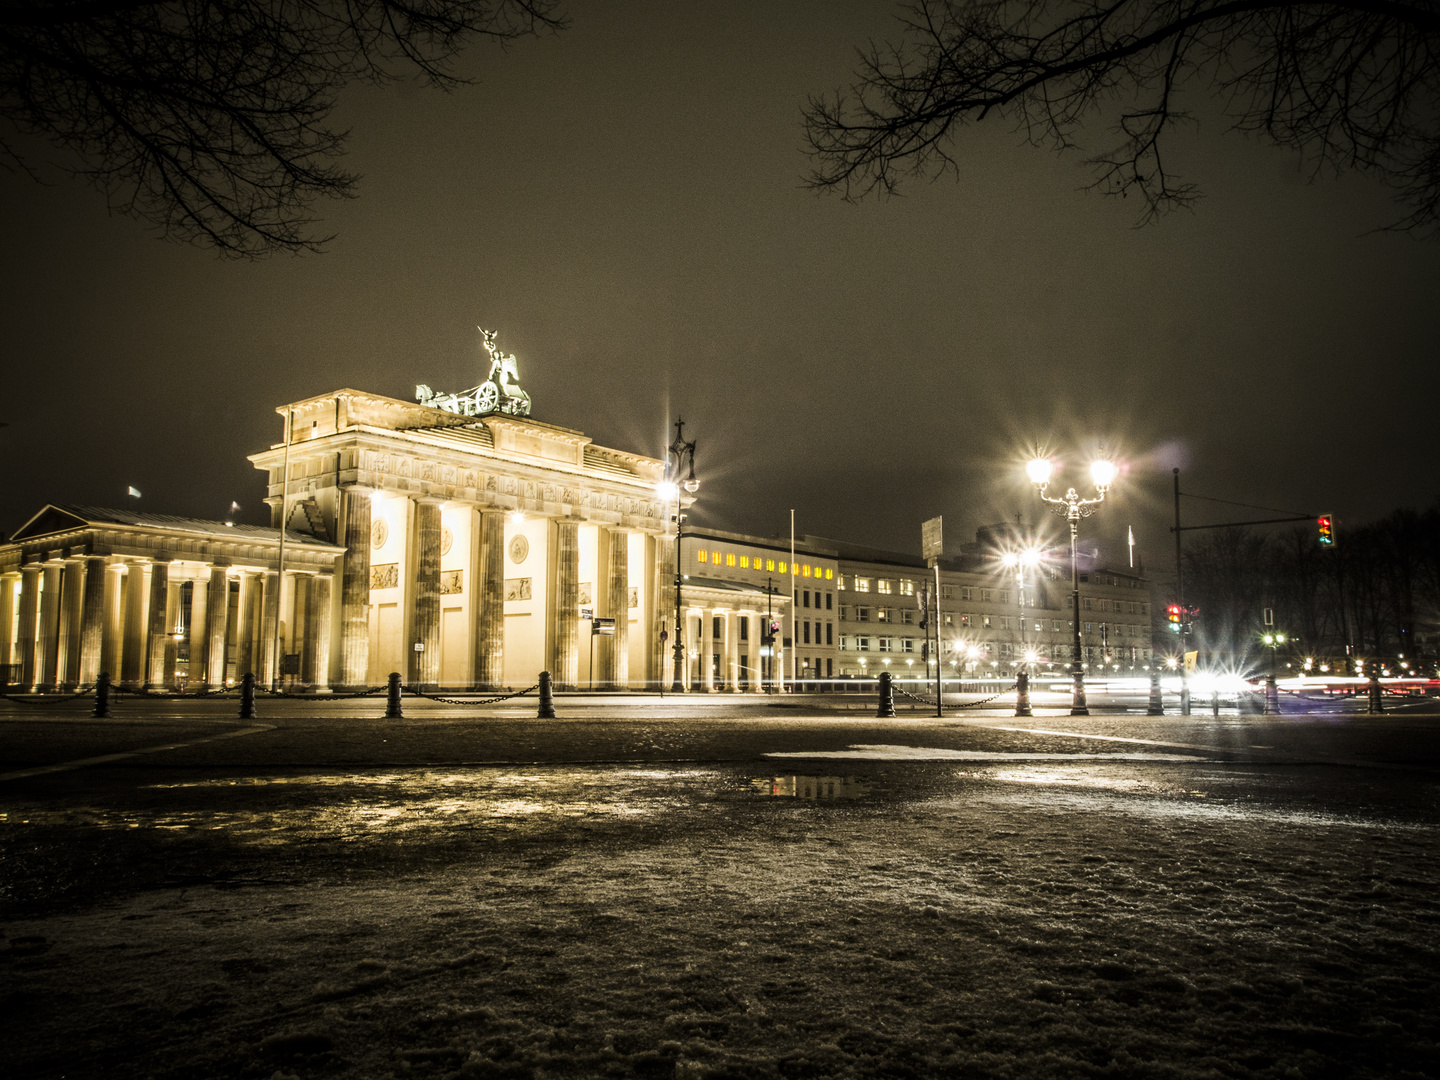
{"x":1353,"y":84}
{"x":211,"y":120}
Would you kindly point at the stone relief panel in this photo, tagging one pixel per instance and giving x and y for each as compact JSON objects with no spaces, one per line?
{"x":586,"y":593}
{"x":519,"y":550}
{"x":517,"y":588}
{"x":451,"y":582}
{"x":385,"y":575}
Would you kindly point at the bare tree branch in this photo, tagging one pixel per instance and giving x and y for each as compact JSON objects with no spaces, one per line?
{"x":211,"y":120}
{"x":1353,"y":84}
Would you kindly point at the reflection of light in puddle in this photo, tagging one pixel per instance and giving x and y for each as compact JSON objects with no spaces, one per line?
{"x":1074,"y":778}
{"x":812,"y":787}
{"x":881,"y":752}
{"x":357,"y":806}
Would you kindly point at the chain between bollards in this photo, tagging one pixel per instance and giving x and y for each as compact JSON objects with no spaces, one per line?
{"x":247,"y":696}
{"x":887,"y":695}
{"x":547,"y":698}
{"x":1022,"y":694}
{"x":102,"y":696}
{"x":392,"y":698}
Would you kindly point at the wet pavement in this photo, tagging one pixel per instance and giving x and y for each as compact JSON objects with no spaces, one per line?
{"x":717,"y":891}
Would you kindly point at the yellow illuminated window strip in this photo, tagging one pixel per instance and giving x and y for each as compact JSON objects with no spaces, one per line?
{"x":729,"y":560}
{"x":805,"y":570}
{"x":829,"y":574}
{"x":770,"y":565}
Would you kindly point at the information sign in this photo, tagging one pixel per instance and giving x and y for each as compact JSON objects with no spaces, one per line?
{"x":931,"y":539}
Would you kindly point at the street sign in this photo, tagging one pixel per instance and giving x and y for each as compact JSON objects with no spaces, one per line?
{"x":419,"y":646}
{"x":587,"y":613}
{"x":1269,"y":616}
{"x":1192,"y":662}
{"x":603,"y":627}
{"x":931,"y":539}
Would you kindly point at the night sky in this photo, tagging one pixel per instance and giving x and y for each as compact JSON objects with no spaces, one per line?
{"x":624,"y":203}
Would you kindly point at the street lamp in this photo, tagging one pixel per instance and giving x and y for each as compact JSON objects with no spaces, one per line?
{"x":676,"y":456}
{"x":1020,"y":561}
{"x":1072,"y":508}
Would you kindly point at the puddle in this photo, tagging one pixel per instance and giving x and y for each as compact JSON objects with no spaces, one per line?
{"x":812,"y":787}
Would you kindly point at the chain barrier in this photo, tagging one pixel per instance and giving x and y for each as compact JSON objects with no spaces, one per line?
{"x":46,"y":700}
{"x":466,"y":701}
{"x":373,"y":692}
{"x":964,"y":705}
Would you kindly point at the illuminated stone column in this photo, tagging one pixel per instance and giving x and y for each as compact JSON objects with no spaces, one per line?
{"x":423,"y":666}
{"x":47,"y":658}
{"x":616,"y":671}
{"x":198,"y":669}
{"x":297,"y":627}
{"x":355,"y":589}
{"x":28,"y":618}
{"x":112,"y":635}
{"x":248,"y":608}
{"x":317,"y":626}
{"x":732,"y":651}
{"x":663,"y":590}
{"x":154,"y":645}
{"x":7,"y":624}
{"x":490,"y":601}
{"x":708,"y":647}
{"x":217,"y":617}
{"x":72,"y":603}
{"x":269,"y":620}
{"x":91,"y":637}
{"x":566,"y":605}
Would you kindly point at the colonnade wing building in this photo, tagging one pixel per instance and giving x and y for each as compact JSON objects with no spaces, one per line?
{"x":458,"y":550}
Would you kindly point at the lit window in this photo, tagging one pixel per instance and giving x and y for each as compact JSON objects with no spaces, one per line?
{"x":882,"y":585}
{"x":805,"y":571}
{"x":770,"y":565}
{"x":907,"y":588}
{"x":862,"y":584}
{"x":702,"y":555}
{"x":829,"y":573}
{"x":729,"y":560}
{"x":717,"y":558}
{"x":744,"y":562}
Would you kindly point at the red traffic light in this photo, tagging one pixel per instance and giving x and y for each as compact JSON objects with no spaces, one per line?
{"x":1174,"y":611}
{"x":1325,"y":525}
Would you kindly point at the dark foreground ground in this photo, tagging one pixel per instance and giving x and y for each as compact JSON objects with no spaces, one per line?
{"x":713,"y":890}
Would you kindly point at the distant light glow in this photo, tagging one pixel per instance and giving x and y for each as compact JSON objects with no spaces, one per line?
{"x":1039,"y":471}
{"x":667,"y":490}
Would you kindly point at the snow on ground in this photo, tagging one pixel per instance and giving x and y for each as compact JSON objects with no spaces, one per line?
{"x":1016,"y":918}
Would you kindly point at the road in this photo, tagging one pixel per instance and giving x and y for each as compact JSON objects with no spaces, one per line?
{"x":716,"y":887}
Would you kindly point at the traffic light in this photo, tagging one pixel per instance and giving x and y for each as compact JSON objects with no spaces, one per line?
{"x":1176,"y":614}
{"x":1325,"y":524}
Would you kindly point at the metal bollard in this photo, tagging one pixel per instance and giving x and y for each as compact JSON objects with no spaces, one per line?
{"x":102,"y":696}
{"x":247,"y":696}
{"x":887,"y":696}
{"x":1215,"y":702}
{"x":1022,"y":694}
{"x":547,"y":698}
{"x":1377,"y":695}
{"x":1272,"y":696}
{"x":1157,"y":702}
{"x":392,"y":698}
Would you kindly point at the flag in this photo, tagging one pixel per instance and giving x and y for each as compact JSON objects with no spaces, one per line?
{"x":1129,"y":529}
{"x":134,"y":491}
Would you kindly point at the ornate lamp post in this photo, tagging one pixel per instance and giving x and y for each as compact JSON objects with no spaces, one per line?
{"x":676,"y":455}
{"x":1072,"y":508}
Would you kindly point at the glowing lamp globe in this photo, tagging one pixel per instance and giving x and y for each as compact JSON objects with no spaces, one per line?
{"x":667,"y":490}
{"x":1103,"y":473}
{"x":1039,"y":471}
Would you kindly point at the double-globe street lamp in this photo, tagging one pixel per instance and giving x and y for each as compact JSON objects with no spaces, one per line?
{"x":1072,"y":508}
{"x":677,"y":454}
